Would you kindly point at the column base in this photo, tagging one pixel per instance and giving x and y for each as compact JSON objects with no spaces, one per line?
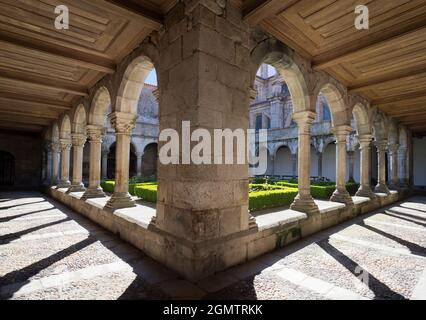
{"x":120,"y":200}
{"x":365,"y":191}
{"x":341,"y":196}
{"x":306,"y":205}
{"x":63,"y":184}
{"x":76,"y":188}
{"x":91,"y":193}
{"x":382,"y":188}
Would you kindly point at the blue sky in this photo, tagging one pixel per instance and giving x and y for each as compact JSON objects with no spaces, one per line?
{"x":152,"y":78}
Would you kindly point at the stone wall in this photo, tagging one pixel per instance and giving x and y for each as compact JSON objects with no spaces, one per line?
{"x":27,"y":151}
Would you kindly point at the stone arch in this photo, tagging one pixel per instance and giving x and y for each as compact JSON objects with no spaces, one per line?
{"x":131,"y":85}
{"x":100,"y":106}
{"x":65,"y":127}
{"x":337,"y":102}
{"x":79,"y":120}
{"x":379,"y":128}
{"x":285,"y":61}
{"x":362,"y":120}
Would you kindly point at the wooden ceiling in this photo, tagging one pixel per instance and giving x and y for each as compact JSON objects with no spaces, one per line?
{"x":42,"y":69}
{"x":386,"y":63}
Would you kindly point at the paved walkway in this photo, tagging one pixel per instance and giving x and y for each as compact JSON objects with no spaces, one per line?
{"x":49,"y":252}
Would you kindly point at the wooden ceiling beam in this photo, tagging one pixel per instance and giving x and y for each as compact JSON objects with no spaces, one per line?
{"x":31,"y":104}
{"x":398,"y":98}
{"x":44,"y":86}
{"x":257,"y":10}
{"x":372,"y":85}
{"x":318,"y":65}
{"x":19,"y":111}
{"x":151,"y":14}
{"x":23,"y":119}
{"x":20,"y":127}
{"x":44,"y":54}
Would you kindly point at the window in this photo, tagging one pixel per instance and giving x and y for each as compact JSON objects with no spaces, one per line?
{"x":326,"y":113}
{"x":258,"y":122}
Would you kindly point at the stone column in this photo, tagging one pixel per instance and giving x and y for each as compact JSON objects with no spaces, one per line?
{"x":303,"y":201}
{"x":78,"y":141}
{"x":56,"y":149}
{"x":47,"y":178}
{"x":393,"y":161}
{"x":139,"y":156}
{"x":123,"y":124}
{"x":293,"y":158}
{"x":341,"y":194}
{"x":351,"y":163}
{"x":319,"y":154}
{"x":365,"y":167}
{"x":105,"y":164}
{"x":381,"y":167}
{"x":65,"y":163}
{"x":402,"y":166}
{"x":94,"y":190}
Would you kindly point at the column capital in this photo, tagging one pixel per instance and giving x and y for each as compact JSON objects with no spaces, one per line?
{"x":341,"y":133}
{"x":95,"y":133}
{"x":393,"y":147}
{"x":139,"y":154}
{"x":365,"y":140}
{"x":78,"y":139}
{"x":304,"y":120}
{"x":56,"y":147}
{"x":122,"y":122}
{"x":381,"y":145}
{"x":65,"y":144}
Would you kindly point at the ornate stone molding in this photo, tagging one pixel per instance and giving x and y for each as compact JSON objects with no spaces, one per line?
{"x":65,"y":144}
{"x":95,"y":133}
{"x":304,"y":120}
{"x":78,"y":139}
{"x":122,"y":122}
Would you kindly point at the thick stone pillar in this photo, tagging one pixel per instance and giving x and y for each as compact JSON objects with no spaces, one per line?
{"x":105,"y":164}
{"x":393,"y":161}
{"x":123,"y":124}
{"x":341,"y":194}
{"x":94,"y":190}
{"x":319,"y":155}
{"x":303,"y":201}
{"x":365,"y":167}
{"x":402,"y":166}
{"x":381,"y":186}
{"x":78,"y":141}
{"x":56,"y":149}
{"x":139,"y":157}
{"x":205,"y":57}
{"x":65,"y":163}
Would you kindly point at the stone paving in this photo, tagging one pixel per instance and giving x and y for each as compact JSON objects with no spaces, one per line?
{"x":47,"y":251}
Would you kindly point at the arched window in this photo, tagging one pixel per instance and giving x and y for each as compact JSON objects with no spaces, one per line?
{"x":7,"y":169}
{"x":258,"y":124}
{"x":326,"y":113}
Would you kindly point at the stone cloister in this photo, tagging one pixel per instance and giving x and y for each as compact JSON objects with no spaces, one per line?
{"x":206,"y":55}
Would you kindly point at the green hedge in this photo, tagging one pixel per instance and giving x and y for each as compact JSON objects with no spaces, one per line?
{"x":264,"y":199}
{"x":146,"y":191}
{"x":108,"y":185}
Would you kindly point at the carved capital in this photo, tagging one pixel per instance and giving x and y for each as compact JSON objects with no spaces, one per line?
{"x":122,"y":122}
{"x":56,"y":147}
{"x":66,"y":144}
{"x":95,"y":133}
{"x":341,"y":133}
{"x":304,"y":120}
{"x":365,"y":140}
{"x":393,"y":148}
{"x":78,"y":139}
